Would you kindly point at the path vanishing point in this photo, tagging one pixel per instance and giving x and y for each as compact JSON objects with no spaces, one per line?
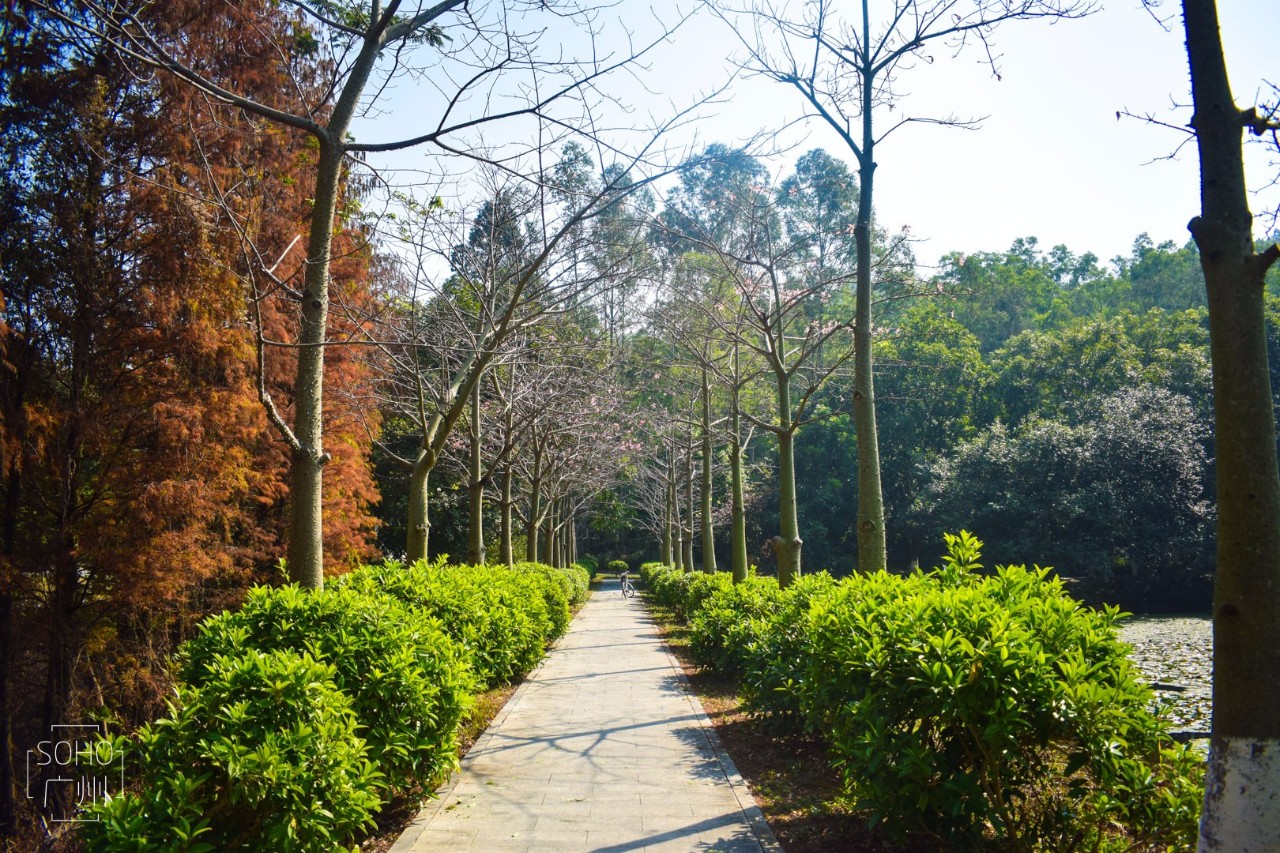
{"x":602,"y":749}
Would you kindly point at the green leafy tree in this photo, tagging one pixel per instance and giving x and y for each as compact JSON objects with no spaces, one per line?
{"x":1164,"y":276}
{"x":935,"y":391}
{"x":1118,"y":490}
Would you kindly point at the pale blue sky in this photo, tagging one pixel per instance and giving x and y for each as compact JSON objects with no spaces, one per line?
{"x":1051,"y":160}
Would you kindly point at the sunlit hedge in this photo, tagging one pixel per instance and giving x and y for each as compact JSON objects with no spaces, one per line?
{"x":409,"y":682}
{"x":970,"y":707}
{"x":264,"y":755}
{"x":502,"y":617}
{"x":298,"y":713}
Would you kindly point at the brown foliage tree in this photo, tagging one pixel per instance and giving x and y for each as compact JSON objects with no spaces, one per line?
{"x":141,"y":484}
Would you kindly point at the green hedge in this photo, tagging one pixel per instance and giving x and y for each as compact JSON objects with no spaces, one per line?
{"x":408,"y":681}
{"x":299,"y":711}
{"x":264,"y":755}
{"x":971,"y":708}
{"x":501,"y":617}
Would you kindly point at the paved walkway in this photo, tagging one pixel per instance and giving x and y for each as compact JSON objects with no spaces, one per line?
{"x":601,"y":749}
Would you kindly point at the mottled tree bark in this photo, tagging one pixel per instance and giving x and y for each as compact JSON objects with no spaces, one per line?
{"x":306,"y":525}
{"x":787,"y":544}
{"x":419,"y":507}
{"x":739,"y":535}
{"x":1242,"y":793}
{"x":475,"y":488}
{"x":708,"y":529}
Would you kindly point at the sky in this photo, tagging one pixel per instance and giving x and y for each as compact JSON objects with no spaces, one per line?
{"x":1050,"y":160}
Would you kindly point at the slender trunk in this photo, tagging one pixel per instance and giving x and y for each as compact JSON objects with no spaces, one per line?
{"x":690,"y":521}
{"x":572,"y":556}
{"x":419,"y":497}
{"x":535,"y":508}
{"x":669,"y":511}
{"x":708,"y":532}
{"x":677,"y":553}
{"x":740,"y":564}
{"x":61,"y":646}
{"x":787,"y":544}
{"x":566,"y":525}
{"x":549,"y":539}
{"x":475,"y":525}
{"x":306,"y":528}
{"x":1242,"y":792}
{"x":871,"y":532}
{"x":665,"y":556}
{"x":507,"y":548}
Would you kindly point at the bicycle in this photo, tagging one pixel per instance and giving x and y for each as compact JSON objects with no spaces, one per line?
{"x":628,"y":588}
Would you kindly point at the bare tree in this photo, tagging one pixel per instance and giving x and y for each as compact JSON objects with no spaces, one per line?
{"x":762,"y":298}
{"x":498,"y":271}
{"x":1242,"y":791}
{"x":847,"y":67}
{"x":574,"y":448}
{"x":484,"y":71}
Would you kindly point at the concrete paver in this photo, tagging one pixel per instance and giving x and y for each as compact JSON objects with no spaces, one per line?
{"x":602,"y":749}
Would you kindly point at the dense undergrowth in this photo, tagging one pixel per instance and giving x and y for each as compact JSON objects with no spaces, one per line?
{"x":984,"y":710}
{"x":299,"y":714}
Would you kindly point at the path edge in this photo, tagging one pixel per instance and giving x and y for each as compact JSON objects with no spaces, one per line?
{"x":741,"y":790}
{"x":409,"y":837}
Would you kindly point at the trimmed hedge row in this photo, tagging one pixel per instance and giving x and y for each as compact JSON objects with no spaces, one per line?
{"x":298,"y":713}
{"x":978,"y":709}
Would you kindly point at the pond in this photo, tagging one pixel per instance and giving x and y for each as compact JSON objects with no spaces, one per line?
{"x":1175,"y":654}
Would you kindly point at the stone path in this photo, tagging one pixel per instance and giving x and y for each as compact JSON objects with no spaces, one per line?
{"x":601,"y":749}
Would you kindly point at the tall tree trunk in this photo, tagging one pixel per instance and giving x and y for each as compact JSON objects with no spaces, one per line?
{"x":507,"y":547}
{"x":690,"y":522}
{"x":535,"y":507}
{"x":419,"y":504}
{"x":665,"y":556}
{"x":669,"y":511}
{"x":708,"y":531}
{"x":787,"y":544}
{"x":306,"y":527}
{"x":549,"y":539}
{"x":475,"y":488}
{"x":739,"y":536}
{"x":871,"y":532}
{"x":1242,"y":792}
{"x":678,"y":544}
{"x":566,"y":525}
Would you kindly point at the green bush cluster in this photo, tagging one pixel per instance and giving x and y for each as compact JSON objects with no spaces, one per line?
{"x":408,"y":681}
{"x":679,"y":591}
{"x":590,"y":564}
{"x":300,"y":711}
{"x":503,"y":617}
{"x":618,"y":566}
{"x":975,"y":708}
{"x":264,"y":755}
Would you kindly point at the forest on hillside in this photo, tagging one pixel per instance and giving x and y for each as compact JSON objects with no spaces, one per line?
{"x":227,"y":360}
